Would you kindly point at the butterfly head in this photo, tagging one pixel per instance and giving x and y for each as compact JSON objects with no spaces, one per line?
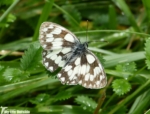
{"x":85,"y":44}
{"x":81,"y":48}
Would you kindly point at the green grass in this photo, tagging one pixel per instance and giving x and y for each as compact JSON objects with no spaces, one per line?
{"x":118,"y":32}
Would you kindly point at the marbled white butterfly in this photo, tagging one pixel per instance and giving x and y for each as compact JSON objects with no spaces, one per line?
{"x":63,"y":49}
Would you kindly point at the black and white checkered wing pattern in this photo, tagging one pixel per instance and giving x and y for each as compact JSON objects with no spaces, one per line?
{"x":57,"y":42}
{"x":61,"y":48}
{"x":86,"y":71}
{"x":53,"y":36}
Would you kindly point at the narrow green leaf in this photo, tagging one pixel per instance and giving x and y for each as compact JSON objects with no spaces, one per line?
{"x":122,"y":110}
{"x":124,"y":7}
{"x":8,"y":10}
{"x":14,"y":86}
{"x":23,"y":44}
{"x":148,"y":111}
{"x":6,"y":2}
{"x":45,"y":13}
{"x":112,"y":18}
{"x":68,"y":15}
{"x":26,"y":88}
{"x":141,"y":103}
{"x":1,"y":69}
{"x":147,"y":7}
{"x":123,"y":58}
{"x":147,"y":49}
{"x":61,"y":109}
{"x":2,"y":78}
{"x":75,"y":15}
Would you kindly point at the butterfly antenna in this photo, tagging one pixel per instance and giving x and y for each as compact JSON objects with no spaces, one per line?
{"x":87,"y":31}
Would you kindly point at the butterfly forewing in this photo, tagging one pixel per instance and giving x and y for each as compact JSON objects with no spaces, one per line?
{"x":53,"y":59}
{"x":63,"y":49}
{"x":57,"y":42}
{"x":92,"y":74}
{"x":53,"y":36}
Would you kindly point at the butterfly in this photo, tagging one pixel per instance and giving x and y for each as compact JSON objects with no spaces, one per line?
{"x":61,"y":48}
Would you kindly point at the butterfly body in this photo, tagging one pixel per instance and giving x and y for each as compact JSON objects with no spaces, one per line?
{"x":81,"y":48}
{"x":78,"y":51}
{"x":63,"y":49}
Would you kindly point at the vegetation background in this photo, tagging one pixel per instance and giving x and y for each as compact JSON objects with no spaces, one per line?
{"x":26,"y":85}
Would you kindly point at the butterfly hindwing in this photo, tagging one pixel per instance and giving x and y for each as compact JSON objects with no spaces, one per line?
{"x":54,"y":59}
{"x":68,"y":74}
{"x":85,"y":70}
{"x":92,"y":74}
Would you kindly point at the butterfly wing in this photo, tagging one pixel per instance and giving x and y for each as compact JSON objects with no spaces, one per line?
{"x":85,"y":70}
{"x":53,"y":36}
{"x":57,"y":43}
{"x":94,"y":75}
